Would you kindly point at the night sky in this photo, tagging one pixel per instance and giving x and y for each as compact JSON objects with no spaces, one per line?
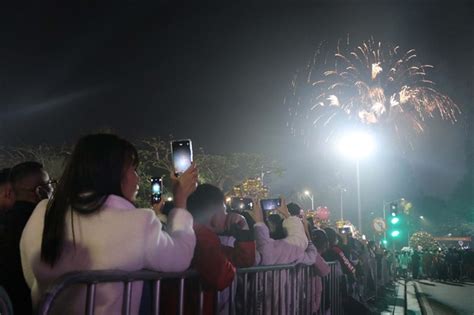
{"x":218,"y":73}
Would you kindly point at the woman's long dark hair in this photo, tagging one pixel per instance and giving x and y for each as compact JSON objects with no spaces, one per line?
{"x":94,"y":171}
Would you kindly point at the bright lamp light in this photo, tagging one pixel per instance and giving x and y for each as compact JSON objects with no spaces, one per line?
{"x":395,"y":233}
{"x":306,"y":192}
{"x":357,"y":144}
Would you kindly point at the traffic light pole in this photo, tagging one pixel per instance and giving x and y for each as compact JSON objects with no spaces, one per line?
{"x":385,"y":219}
{"x":359,"y":212}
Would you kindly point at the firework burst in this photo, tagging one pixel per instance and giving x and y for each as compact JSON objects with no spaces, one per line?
{"x":372,"y":84}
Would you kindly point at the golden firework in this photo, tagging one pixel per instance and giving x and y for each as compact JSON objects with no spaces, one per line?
{"x":370,"y":84}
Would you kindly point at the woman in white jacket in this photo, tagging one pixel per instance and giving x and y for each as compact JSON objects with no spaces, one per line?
{"x":294,"y":248}
{"x":92,"y":224}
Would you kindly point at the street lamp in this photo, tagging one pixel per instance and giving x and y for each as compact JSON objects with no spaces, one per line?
{"x":310,"y":196}
{"x":357,"y":145}
{"x":342,"y":190}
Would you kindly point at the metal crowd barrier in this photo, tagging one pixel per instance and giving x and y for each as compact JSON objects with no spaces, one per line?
{"x":279,"y":289}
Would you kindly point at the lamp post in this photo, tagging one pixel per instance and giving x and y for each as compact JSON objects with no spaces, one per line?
{"x":342,"y":190}
{"x":310,"y":196}
{"x":357,"y":145}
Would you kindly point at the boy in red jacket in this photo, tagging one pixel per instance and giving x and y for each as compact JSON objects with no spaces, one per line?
{"x":214,"y":262}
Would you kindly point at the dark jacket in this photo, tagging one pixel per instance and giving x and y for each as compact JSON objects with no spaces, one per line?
{"x":12,"y":224}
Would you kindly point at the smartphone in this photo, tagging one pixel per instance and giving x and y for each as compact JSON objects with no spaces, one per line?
{"x":241,"y":204}
{"x":270,"y":204}
{"x":182,"y":154}
{"x":156,"y":189}
{"x":345,"y":230}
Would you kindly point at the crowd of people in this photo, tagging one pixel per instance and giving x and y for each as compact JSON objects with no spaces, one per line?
{"x":451,"y":264}
{"x":87,"y":220}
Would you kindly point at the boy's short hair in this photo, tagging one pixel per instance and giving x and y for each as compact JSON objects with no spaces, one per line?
{"x":25,"y":169}
{"x":205,"y":196}
{"x":294,"y":209}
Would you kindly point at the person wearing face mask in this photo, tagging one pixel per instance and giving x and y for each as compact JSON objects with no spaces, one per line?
{"x":31,"y":184}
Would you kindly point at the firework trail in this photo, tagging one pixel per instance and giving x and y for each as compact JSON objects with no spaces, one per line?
{"x":372,"y":84}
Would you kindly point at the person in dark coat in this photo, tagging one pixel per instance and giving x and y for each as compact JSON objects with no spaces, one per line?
{"x":415,"y":264}
{"x":31,"y":184}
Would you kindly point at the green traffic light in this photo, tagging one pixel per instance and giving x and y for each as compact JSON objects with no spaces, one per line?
{"x":384,"y":242}
{"x":395,"y":233}
{"x":395,"y":220}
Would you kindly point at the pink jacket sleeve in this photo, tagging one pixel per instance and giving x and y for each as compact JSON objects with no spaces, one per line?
{"x":274,"y":252}
{"x":171,"y":250}
{"x":321,"y":266}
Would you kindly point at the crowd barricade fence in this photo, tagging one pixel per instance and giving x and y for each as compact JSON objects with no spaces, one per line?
{"x":278,"y":289}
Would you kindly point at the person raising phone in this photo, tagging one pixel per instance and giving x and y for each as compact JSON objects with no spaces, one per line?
{"x":287,"y":250}
{"x":91,"y":223}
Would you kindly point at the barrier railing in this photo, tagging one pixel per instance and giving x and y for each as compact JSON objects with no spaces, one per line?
{"x":280,"y":289}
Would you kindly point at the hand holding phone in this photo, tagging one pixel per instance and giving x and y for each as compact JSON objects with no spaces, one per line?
{"x":270,"y":204}
{"x":182,"y":155}
{"x":156,"y":189}
{"x":241,"y":204}
{"x":283,"y":209}
{"x":184,"y":186}
{"x":257,"y":213}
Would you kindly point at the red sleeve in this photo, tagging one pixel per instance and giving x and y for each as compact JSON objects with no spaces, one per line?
{"x":210,"y":260}
{"x":242,"y":255}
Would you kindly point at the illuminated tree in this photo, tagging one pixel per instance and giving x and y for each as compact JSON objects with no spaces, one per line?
{"x":53,"y":158}
{"x":251,"y":187}
{"x":423,"y":240}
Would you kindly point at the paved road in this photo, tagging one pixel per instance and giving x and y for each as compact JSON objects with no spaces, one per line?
{"x":448,"y":298}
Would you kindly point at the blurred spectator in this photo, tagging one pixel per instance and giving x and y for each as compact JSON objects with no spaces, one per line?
{"x":427,"y":261}
{"x":453,"y":258}
{"x":404,"y":263}
{"x":292,"y":246}
{"x":31,"y":184}
{"x":91,"y":223}
{"x":320,"y":240}
{"x":214,"y":262}
{"x":415,"y":264}
{"x":335,"y":253}
{"x":287,"y":250}
{"x":7,"y":195}
{"x":275,"y":226}
{"x":321,"y":267}
{"x":294,"y":209}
